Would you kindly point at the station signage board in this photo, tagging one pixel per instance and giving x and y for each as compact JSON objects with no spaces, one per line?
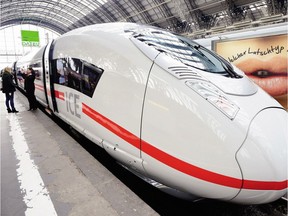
{"x":30,"y":38}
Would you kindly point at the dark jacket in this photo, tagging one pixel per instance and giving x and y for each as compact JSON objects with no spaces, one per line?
{"x":7,"y":83}
{"x":29,"y":83}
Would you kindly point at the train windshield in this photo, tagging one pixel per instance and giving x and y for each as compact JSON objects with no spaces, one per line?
{"x":186,"y":51}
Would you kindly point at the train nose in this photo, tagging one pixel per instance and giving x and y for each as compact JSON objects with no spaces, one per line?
{"x":263,"y":158}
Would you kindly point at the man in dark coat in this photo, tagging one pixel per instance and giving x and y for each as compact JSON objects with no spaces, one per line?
{"x":29,"y":86}
{"x":8,"y":87}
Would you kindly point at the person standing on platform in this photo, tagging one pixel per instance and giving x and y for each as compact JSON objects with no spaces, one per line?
{"x":29,"y":87}
{"x":8,"y":88}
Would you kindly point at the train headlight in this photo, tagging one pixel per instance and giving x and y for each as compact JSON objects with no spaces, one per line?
{"x":215,"y":96}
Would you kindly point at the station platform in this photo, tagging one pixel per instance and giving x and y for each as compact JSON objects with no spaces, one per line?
{"x":44,"y":171}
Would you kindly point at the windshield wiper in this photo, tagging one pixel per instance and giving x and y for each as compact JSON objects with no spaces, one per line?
{"x":228,"y":67}
{"x":225,"y":64}
{"x":196,"y":47}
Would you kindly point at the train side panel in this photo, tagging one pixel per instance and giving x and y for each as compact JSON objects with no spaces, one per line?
{"x":112,"y":115}
{"x":185,"y":150}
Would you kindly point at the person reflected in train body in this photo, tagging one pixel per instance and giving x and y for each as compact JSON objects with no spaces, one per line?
{"x":29,"y":87}
{"x":8,"y":88}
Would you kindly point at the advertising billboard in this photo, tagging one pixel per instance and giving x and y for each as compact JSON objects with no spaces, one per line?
{"x":263,"y":59}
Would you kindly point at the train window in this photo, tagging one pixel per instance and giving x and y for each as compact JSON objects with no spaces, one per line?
{"x":90,"y":78}
{"x":59,"y":75}
{"x":68,"y":72}
{"x":186,"y":51}
{"x":37,"y":67}
{"x":72,"y":68}
{"x":76,"y":74}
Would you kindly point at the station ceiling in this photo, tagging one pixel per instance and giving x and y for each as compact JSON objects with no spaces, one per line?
{"x":181,"y":16}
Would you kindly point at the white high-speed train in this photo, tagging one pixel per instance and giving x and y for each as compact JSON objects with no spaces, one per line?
{"x":168,"y":109}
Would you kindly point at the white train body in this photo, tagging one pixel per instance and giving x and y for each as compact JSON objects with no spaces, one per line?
{"x":208,"y":134}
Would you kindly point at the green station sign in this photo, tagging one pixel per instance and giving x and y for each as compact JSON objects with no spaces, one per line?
{"x":30,"y":38}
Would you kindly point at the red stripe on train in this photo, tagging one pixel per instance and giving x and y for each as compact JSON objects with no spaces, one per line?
{"x":110,"y":125}
{"x":39,"y":87}
{"x":178,"y":164}
{"x":58,"y":94}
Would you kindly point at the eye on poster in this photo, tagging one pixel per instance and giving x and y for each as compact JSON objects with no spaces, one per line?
{"x":262,"y":59}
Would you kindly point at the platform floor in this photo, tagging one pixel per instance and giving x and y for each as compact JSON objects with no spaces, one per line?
{"x":44,"y":171}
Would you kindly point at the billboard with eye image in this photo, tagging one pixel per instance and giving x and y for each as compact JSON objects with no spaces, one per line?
{"x":263,"y":59}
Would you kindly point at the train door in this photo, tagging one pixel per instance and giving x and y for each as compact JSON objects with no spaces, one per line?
{"x":67,"y":87}
{"x":47,"y":77}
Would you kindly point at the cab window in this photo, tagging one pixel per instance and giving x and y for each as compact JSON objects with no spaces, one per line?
{"x":185,"y":50}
